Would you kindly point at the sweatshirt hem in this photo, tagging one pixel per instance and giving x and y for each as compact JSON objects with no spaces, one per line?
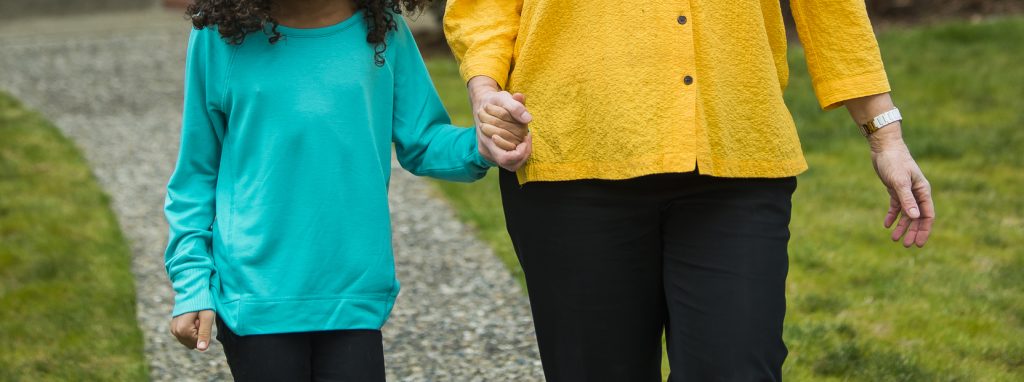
{"x":250,"y":315}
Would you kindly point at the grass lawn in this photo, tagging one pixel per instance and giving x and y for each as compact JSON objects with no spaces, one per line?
{"x":67,"y":299}
{"x":862,"y":308}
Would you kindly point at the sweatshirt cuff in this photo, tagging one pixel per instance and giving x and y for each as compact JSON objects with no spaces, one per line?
{"x":495,"y":67}
{"x":482,"y":163}
{"x":192,"y":291}
{"x":832,"y":94}
{"x":475,"y":158}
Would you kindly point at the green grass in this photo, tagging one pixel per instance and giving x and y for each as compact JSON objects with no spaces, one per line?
{"x":862,"y":308}
{"x":67,"y":299}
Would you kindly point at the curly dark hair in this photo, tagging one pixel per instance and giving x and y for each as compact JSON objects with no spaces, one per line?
{"x":235,"y":19}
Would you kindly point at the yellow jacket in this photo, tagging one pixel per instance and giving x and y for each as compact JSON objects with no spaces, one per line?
{"x":620,"y":89}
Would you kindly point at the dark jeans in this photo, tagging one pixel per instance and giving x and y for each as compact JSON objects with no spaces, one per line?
{"x":338,"y":355}
{"x":610,"y":264}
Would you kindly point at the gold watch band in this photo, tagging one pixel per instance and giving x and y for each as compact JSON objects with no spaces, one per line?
{"x":880,"y":121}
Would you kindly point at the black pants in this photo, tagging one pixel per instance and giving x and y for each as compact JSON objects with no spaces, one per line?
{"x":610,"y":264}
{"x":339,"y":355}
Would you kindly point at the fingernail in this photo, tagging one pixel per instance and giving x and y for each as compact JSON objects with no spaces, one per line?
{"x":914,"y":213}
{"x":527,"y":115}
{"x":202,"y":345}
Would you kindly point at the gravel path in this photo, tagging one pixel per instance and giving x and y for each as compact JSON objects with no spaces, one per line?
{"x":113,"y":84}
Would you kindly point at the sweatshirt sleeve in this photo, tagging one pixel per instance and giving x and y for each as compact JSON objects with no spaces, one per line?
{"x":482,"y":35}
{"x":842,"y":53}
{"x":425,"y":141}
{"x":190,"y":202}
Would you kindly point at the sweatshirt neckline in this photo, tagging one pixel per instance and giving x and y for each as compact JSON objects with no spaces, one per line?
{"x":356,"y":17}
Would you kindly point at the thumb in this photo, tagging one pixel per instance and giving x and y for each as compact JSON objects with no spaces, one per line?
{"x":907,"y":200}
{"x":525,"y":117}
{"x":205,"y":328}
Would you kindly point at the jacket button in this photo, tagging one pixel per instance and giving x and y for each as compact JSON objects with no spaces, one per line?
{"x":681,"y":20}
{"x":688,"y":80}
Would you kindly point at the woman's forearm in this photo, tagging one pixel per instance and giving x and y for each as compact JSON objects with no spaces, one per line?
{"x":479,"y":87}
{"x":863,"y":109}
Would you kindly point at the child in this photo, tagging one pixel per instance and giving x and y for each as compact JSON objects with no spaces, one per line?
{"x":278,"y":208}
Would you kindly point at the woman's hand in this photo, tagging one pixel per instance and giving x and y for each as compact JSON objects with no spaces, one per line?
{"x":501,"y":123}
{"x":910,"y":194}
{"x":193,"y":329}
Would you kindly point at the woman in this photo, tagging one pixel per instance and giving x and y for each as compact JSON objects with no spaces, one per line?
{"x":664,"y":160}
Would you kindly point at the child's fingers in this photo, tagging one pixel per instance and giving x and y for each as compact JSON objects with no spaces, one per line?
{"x":515,"y":128}
{"x":499,"y":112}
{"x":501,"y":118}
{"x":488,"y":147}
{"x":490,"y":131}
{"x":206,"y":318}
{"x":502,"y":143}
{"x":183,"y":327}
{"x":511,"y":133}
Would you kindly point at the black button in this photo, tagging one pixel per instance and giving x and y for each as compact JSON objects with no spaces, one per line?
{"x":688,"y":80}
{"x":681,"y":20}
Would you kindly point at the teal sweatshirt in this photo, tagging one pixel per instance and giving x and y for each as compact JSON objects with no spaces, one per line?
{"x":278,"y":206}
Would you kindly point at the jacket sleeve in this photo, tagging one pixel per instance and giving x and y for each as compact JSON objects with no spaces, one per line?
{"x":425,"y":141}
{"x":190,"y":202}
{"x":482,"y":35}
{"x":842,"y":53}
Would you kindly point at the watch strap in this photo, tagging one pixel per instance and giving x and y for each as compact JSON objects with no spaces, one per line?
{"x":880,"y":121}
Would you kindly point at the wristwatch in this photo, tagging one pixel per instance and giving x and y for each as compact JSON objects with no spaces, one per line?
{"x":882,"y":120}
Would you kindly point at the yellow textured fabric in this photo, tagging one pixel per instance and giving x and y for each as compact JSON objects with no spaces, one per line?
{"x":606,"y":80}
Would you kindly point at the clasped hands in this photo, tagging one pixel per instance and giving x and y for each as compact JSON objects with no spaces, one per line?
{"x":503,"y":135}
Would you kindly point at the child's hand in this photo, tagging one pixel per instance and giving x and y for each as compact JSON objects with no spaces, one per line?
{"x":193,"y":329}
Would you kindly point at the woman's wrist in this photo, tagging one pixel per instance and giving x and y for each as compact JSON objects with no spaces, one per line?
{"x":888,"y":138}
{"x":864,"y":109}
{"x":480,"y":87}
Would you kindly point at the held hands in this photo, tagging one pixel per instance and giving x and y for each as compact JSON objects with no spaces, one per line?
{"x":496,"y":120}
{"x":910,"y":194}
{"x":502,"y":121}
{"x":193,"y":329}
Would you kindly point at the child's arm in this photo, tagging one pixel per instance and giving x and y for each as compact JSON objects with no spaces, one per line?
{"x":189,"y":206}
{"x":425,"y":141}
